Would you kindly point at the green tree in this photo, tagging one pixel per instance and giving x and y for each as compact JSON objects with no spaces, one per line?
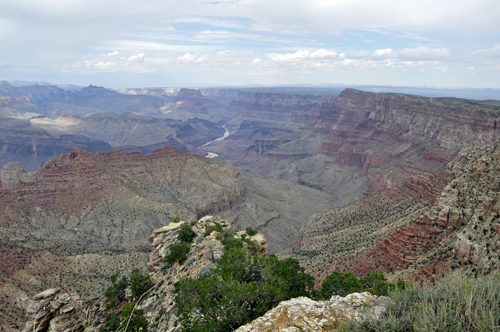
{"x":139,"y":283}
{"x":116,"y":292}
{"x":241,"y":288}
{"x":178,"y":253}
{"x":133,"y":320}
{"x":186,"y":233}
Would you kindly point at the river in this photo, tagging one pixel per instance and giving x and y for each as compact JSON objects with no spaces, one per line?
{"x":211,"y":154}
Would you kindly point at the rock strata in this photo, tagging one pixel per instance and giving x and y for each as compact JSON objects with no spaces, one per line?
{"x":450,"y":221}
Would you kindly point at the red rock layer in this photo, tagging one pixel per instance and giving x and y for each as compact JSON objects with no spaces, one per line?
{"x":346,"y":238}
{"x":395,"y":136}
{"x":280,"y":106}
{"x":202,"y":184}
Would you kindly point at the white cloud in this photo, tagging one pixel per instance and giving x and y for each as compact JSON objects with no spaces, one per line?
{"x":136,"y":58}
{"x":114,"y":53}
{"x":425,"y":53}
{"x":302,"y":55}
{"x":381,"y":54}
{"x":493,"y":52}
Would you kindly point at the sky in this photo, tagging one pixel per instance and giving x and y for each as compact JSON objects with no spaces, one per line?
{"x":129,"y":43}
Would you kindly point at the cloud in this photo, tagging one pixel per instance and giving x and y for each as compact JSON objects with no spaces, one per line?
{"x":114,"y":53}
{"x":136,"y":58}
{"x":209,"y":35}
{"x":302,"y":55}
{"x":381,"y":54}
{"x":425,"y":53}
{"x":493,"y":52}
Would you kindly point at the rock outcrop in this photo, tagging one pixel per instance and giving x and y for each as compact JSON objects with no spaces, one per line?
{"x":54,"y":310}
{"x":304,"y":314}
{"x":92,"y":185}
{"x":61,"y":312}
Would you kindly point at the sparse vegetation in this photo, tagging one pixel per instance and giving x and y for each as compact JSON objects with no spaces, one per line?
{"x":456,"y":303}
{"x":251,"y":231}
{"x":217,"y":227}
{"x":343,"y":284}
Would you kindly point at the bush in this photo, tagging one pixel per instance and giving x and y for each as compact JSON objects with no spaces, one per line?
{"x":241,"y":288}
{"x":251,"y":231}
{"x":186,"y":233}
{"x":456,"y":303}
{"x":337,"y":283}
{"x":139,"y":283}
{"x":116,"y":292}
{"x":134,"y":318}
{"x":217,"y":227}
{"x":131,"y":320}
{"x":176,"y":220}
{"x":228,"y":240}
{"x":178,"y":253}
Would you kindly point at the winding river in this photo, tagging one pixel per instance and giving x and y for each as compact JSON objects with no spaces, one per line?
{"x":211,"y":154}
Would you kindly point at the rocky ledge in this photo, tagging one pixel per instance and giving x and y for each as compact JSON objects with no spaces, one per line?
{"x":304,"y":314}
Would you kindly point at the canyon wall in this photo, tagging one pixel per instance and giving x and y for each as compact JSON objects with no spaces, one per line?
{"x":280,"y":106}
{"x":393,"y":137}
{"x":417,"y":230}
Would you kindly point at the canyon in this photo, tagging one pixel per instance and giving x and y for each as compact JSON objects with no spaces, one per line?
{"x":357,"y":182}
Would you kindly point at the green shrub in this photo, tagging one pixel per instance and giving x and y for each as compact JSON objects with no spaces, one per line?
{"x":134,"y":318}
{"x":131,"y":320}
{"x":139,"y":283}
{"x":217,"y":227}
{"x":116,"y":292}
{"x":337,"y":283}
{"x":456,"y":303}
{"x":241,"y":288}
{"x":186,"y":233}
{"x":228,"y":240}
{"x":176,"y":220}
{"x":178,"y":253}
{"x":251,"y":231}
{"x":111,"y":325}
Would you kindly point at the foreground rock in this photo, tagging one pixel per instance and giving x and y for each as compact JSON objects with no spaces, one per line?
{"x":304,"y":314}
{"x":56,"y":311}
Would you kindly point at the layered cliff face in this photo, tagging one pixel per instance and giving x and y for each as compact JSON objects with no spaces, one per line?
{"x":393,"y":137}
{"x":167,"y":182}
{"x":364,"y":143}
{"x":420,"y":229}
{"x":280,"y":106}
{"x":87,"y":215}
